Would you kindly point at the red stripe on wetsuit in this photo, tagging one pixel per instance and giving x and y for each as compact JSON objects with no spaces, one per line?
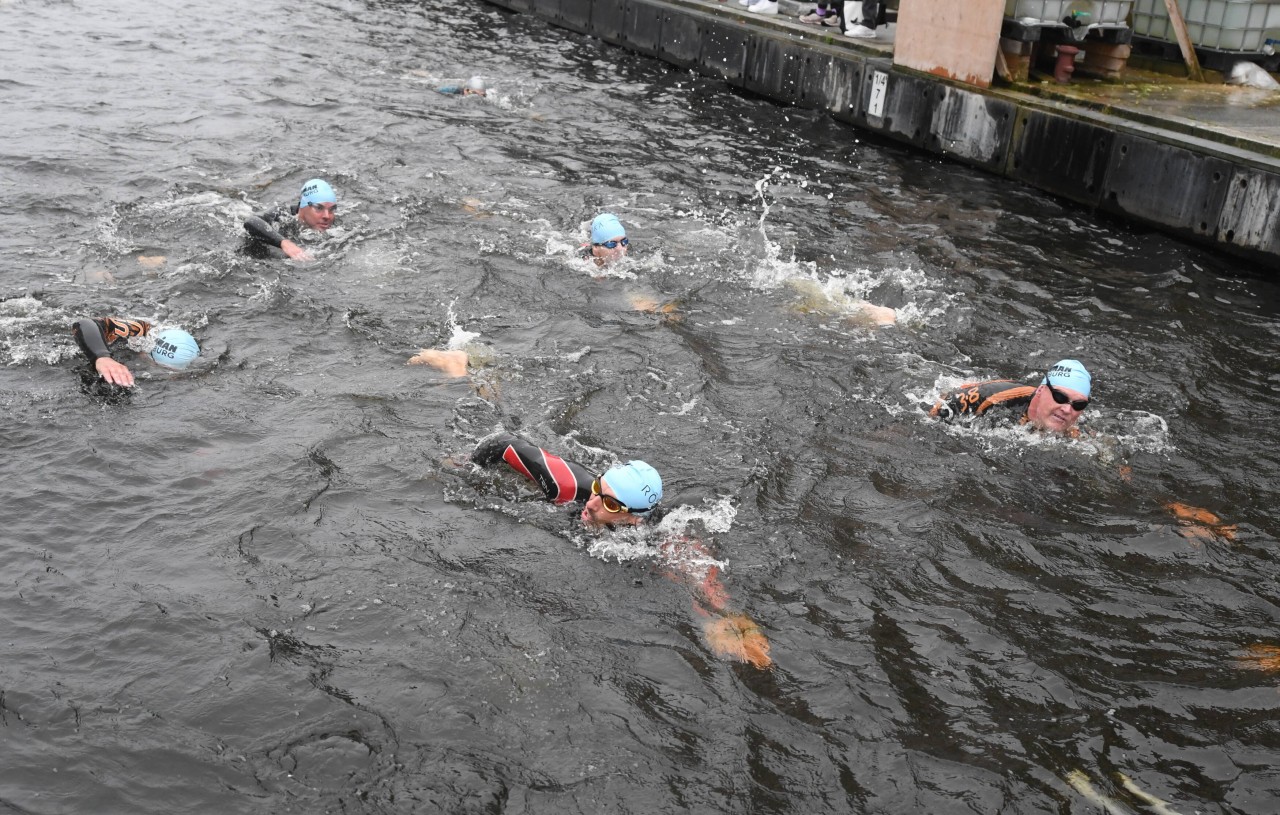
{"x":552,"y":470}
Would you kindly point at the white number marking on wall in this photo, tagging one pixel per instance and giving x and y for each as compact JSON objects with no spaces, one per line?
{"x":879,"y":89}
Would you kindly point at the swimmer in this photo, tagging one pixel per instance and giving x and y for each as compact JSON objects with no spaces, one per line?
{"x":628,"y":495}
{"x":317,"y":208}
{"x":475,"y":87}
{"x":1055,"y":405}
{"x":174,"y":348}
{"x":608,"y":240}
{"x":624,"y":495}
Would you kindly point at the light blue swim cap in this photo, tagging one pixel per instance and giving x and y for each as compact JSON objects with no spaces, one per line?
{"x":1069,"y":373}
{"x":606,"y":227}
{"x":636,"y":484}
{"x":317,"y":191}
{"x":175,"y":349}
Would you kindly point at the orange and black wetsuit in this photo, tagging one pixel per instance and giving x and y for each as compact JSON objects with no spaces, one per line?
{"x":95,"y":337}
{"x":561,"y":481}
{"x":976,"y":398}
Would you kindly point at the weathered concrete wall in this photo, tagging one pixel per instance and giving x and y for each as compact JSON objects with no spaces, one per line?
{"x":1189,"y":187}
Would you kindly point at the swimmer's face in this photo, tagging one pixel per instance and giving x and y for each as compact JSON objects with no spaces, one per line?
{"x":318,"y":216}
{"x":604,"y":254}
{"x":470,"y":92}
{"x":1046,"y":414}
{"x":596,"y":516}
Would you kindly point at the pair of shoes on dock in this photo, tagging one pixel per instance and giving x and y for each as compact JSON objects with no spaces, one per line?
{"x":760,"y":6}
{"x":828,"y":20}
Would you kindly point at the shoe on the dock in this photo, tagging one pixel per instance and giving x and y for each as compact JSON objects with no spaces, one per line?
{"x":832,"y":20}
{"x":858,"y":32}
{"x":763,"y":7}
{"x":813,"y":18}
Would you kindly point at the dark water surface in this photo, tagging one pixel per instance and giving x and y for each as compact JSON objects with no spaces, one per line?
{"x":263,"y":587}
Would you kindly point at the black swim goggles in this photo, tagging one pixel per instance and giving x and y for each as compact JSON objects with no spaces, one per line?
{"x":1061,"y":398}
{"x":613,"y":244}
{"x":611,"y":505}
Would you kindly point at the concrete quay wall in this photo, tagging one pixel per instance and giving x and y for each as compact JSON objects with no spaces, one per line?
{"x":1171,"y":179}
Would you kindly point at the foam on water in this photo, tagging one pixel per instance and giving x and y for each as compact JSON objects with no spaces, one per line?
{"x":29,"y":332}
{"x":676,"y":542}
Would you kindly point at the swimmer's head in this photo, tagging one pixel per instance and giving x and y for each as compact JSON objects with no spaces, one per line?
{"x":608,"y":239}
{"x":1069,"y":373}
{"x":636,"y":484}
{"x":318,"y":204}
{"x":1062,"y":397}
{"x":475,"y":85}
{"x":175,"y":349}
{"x":606,"y":227}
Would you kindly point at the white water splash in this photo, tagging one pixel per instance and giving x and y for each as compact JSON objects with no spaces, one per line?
{"x":459,"y":337}
{"x":25,"y":335}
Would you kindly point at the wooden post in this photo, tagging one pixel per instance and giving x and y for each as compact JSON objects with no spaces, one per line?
{"x":1184,"y":41}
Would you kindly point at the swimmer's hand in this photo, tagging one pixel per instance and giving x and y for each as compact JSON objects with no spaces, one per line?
{"x":294,"y":251}
{"x":114,"y":372}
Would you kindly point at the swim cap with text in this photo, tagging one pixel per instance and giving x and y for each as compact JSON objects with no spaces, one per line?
{"x":635,"y":484}
{"x":1069,"y":373}
{"x":317,"y":191}
{"x":175,"y":349}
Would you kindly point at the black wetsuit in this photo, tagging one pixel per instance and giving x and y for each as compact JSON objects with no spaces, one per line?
{"x":561,"y":481}
{"x":275,"y":225}
{"x":95,"y":337}
{"x":977,"y":398}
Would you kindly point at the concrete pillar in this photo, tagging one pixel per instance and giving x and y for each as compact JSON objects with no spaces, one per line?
{"x":951,"y":39}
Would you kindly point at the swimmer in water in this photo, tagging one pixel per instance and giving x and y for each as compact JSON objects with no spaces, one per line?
{"x":608,"y":240}
{"x":174,"y":348}
{"x":317,"y":209}
{"x":627,"y":495}
{"x":624,"y":495}
{"x":1055,"y":405}
{"x":474,"y":87}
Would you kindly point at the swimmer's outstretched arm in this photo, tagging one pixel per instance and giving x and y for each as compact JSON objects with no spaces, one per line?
{"x":561,"y":481}
{"x":259,"y":228}
{"x":95,"y":337}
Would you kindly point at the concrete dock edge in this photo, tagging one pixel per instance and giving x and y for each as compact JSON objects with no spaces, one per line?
{"x":1182,"y":183}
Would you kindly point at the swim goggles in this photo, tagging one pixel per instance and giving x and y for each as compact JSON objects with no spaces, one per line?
{"x":611,"y":504}
{"x":1061,"y":398}
{"x":614,"y":244}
